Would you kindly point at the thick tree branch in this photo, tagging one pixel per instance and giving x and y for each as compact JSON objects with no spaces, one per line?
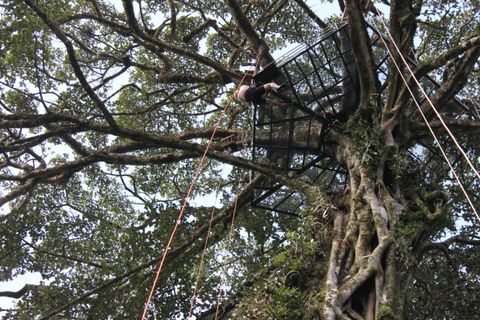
{"x":362,"y":51}
{"x":331,"y":283}
{"x":173,"y":18}
{"x":463,"y":125}
{"x":172,"y":141}
{"x":207,"y":24}
{"x":20,"y":293}
{"x":73,"y":61}
{"x":175,"y":141}
{"x":444,"y":245}
{"x":457,"y":81}
{"x":256,"y":43}
{"x":25,"y":120}
{"x":130,"y":13}
{"x":402,"y":28}
{"x":243,"y":199}
{"x":440,"y":60}
{"x":311,"y":14}
{"x":371,"y":265}
{"x":29,"y":142}
{"x":21,"y":190}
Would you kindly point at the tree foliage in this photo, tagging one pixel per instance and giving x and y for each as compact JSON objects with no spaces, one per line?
{"x":107,"y":107}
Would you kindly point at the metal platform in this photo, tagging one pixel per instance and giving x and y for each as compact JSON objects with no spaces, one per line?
{"x":321,"y":82}
{"x":289,"y":132}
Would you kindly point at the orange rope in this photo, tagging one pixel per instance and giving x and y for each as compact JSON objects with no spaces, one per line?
{"x":185,"y":202}
{"x":202,"y":258}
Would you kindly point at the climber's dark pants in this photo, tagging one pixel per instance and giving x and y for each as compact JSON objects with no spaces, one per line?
{"x":255,"y":95}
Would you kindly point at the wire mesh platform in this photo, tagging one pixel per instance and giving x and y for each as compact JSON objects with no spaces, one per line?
{"x":278,"y":198}
{"x":315,"y":76}
{"x":321,"y":84}
{"x":288,"y":132}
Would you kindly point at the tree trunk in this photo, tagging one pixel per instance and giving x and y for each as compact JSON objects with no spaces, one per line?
{"x":360,"y":282}
{"x":352,"y":257}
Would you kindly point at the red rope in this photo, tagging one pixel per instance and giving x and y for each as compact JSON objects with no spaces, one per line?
{"x":187,"y":197}
{"x":185,"y":202}
{"x":257,"y":66}
{"x":180,"y":215}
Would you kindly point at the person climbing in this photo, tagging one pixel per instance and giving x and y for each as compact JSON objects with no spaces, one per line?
{"x":256,"y":95}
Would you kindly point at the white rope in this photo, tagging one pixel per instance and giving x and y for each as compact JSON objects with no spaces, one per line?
{"x":476,"y":107}
{"x":426,"y":122}
{"x":221,"y":292}
{"x":200,"y":270}
{"x":429,"y":101}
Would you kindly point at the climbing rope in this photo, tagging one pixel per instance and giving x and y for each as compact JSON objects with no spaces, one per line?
{"x":223,"y":279}
{"x":425,"y":120}
{"x":182,"y":210}
{"x":428,"y":99}
{"x":476,"y":107}
{"x":202,"y":258}
{"x":226,"y":262}
{"x":187,"y":198}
